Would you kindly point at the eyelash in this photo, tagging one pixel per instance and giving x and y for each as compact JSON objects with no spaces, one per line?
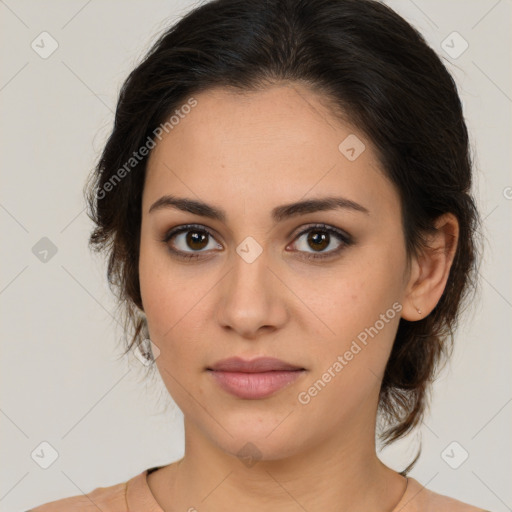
{"x":345,"y":239}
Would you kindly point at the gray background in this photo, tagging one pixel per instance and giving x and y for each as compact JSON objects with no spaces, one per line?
{"x":62,"y":379}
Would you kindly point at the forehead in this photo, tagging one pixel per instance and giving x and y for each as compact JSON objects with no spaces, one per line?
{"x":271,"y":146}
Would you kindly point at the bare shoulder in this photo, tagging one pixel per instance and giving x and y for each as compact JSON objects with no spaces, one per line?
{"x":106,"y":499}
{"x":419,"y":498}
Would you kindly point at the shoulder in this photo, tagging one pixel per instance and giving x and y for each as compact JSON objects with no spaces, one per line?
{"x":420,"y":499}
{"x":106,"y":499}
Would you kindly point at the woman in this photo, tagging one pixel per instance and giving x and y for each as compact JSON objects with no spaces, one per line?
{"x":285,"y":202}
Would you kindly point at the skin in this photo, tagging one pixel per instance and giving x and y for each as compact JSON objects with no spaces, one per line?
{"x":246,"y":154}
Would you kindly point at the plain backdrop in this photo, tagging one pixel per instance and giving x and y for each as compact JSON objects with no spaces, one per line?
{"x":62,"y":379}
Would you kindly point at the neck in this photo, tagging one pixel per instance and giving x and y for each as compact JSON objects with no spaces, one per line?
{"x":343,"y":473}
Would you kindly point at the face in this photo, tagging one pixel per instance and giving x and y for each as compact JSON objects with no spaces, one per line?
{"x":317,"y":287}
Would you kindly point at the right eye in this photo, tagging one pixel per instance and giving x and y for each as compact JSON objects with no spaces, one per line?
{"x":196,"y":238}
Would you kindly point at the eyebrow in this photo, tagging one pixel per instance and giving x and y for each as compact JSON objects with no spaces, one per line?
{"x":278,"y":213}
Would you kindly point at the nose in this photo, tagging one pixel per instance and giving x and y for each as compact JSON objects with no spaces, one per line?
{"x":252,"y":299}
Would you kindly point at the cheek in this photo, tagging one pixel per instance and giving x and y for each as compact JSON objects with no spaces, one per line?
{"x":164,"y":291}
{"x":351,"y":297}
{"x":358,"y":304}
{"x":363,"y":314}
{"x":162,"y":302}
{"x":174,"y":305}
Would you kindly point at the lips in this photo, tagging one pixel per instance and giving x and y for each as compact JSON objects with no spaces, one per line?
{"x":258,"y":365}
{"x":255,"y":379}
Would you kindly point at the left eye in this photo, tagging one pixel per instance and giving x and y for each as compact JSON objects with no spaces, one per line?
{"x":320,"y":238}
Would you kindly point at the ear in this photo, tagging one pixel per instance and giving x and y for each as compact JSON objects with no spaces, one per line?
{"x":430,"y":269}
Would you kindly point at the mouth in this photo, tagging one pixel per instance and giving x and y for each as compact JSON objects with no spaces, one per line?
{"x":255,"y":379}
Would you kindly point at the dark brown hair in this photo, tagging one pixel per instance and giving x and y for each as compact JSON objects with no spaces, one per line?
{"x":379,"y":73}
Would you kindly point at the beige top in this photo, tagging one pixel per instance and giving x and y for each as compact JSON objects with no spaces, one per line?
{"x":135,"y":496}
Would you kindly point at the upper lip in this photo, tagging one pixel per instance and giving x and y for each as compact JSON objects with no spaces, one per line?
{"x":260,"y":364}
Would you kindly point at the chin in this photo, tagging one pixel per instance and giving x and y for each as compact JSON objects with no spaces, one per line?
{"x":255,"y":439}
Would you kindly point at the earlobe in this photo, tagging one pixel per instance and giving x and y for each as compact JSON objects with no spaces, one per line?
{"x":431,"y":269}
{"x":409,"y":309}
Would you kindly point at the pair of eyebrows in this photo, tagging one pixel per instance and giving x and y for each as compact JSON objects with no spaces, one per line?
{"x":278,"y":214}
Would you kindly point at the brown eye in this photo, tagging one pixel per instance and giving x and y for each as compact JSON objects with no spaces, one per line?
{"x":320,"y":238}
{"x":196,"y":240}
{"x":185,"y":241}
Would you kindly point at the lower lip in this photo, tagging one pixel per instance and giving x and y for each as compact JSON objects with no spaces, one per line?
{"x":255,"y":385}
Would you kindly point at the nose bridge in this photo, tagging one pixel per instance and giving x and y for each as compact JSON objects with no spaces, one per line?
{"x":251,"y":267}
{"x":251,"y":298}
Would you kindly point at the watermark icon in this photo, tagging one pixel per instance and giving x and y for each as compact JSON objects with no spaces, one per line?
{"x":454,"y":455}
{"x":249,"y":454}
{"x":44,"y":455}
{"x":44,"y":250}
{"x":454,"y":45}
{"x":304,"y":397}
{"x":44,"y":45}
{"x":249,"y":249}
{"x":507,"y":192}
{"x":351,"y":147}
{"x":143,"y":151}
